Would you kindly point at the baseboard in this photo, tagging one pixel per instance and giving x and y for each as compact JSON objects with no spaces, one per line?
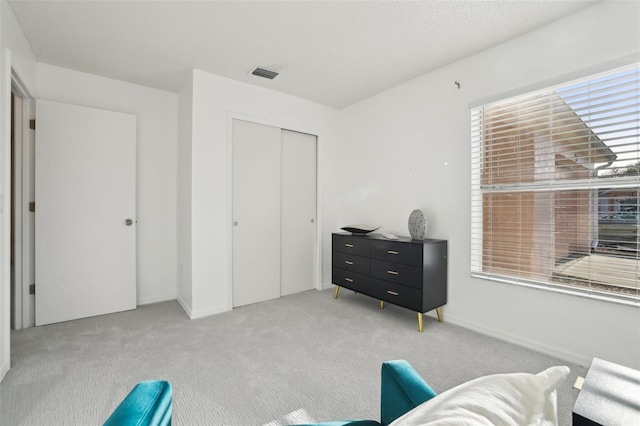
{"x":327,"y":285}
{"x":201,"y":313}
{"x":156,"y":299}
{"x":572,"y":357}
{"x":185,"y":306}
{"x":4,"y":369}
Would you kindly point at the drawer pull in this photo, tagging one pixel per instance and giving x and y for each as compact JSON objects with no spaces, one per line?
{"x":348,"y":245}
{"x":348,"y":262}
{"x":392,"y":272}
{"x":349,"y":280}
{"x":393,"y":293}
{"x":392,"y":252}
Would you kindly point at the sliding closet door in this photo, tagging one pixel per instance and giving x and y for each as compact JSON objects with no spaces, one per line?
{"x":256,"y":212}
{"x":298,"y":224}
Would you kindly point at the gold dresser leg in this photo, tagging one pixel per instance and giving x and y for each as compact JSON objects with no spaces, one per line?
{"x":439,"y":313}
{"x":382,"y":304}
{"x":335,"y":293}
{"x":420,"y":322}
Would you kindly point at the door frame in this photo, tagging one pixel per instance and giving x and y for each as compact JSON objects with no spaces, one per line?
{"x":24,"y":314}
{"x":9,"y":79}
{"x":229,"y":202}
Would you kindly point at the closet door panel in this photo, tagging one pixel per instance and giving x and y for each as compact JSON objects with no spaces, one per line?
{"x":256,"y":212}
{"x":298,"y":213}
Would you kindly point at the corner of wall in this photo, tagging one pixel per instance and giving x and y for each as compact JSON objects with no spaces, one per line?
{"x":184,"y":189}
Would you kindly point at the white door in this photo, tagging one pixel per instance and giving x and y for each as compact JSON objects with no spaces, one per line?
{"x":256,"y":212}
{"x":298,"y":217}
{"x":85,"y":212}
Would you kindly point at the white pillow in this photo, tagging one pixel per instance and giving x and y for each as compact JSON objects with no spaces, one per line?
{"x":502,"y":399}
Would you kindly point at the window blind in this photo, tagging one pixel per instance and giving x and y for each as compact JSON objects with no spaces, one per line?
{"x":555,"y":187}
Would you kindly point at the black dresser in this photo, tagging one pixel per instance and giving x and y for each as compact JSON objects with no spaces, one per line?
{"x":405,"y":272}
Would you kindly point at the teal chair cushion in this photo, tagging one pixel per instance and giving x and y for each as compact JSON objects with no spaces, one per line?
{"x":148,"y":404}
{"x":402,"y":389}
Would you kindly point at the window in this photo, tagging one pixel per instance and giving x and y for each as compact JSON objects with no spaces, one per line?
{"x":555,"y":187}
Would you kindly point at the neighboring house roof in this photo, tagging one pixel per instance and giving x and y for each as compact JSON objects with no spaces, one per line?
{"x":577,"y":142}
{"x":583,"y":142}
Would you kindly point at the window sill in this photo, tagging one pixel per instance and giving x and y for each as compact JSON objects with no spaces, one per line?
{"x":564,"y":289}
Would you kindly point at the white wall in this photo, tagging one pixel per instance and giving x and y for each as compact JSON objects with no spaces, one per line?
{"x":215,"y":101}
{"x":23,"y":61}
{"x":185,"y":125}
{"x":412,"y":145}
{"x":157,"y":132}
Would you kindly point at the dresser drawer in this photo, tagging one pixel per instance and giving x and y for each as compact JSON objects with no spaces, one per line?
{"x":350,"y":244}
{"x":354,"y":281}
{"x":397,"y":294}
{"x":351,"y":262}
{"x":397,"y":272}
{"x":400,"y":252}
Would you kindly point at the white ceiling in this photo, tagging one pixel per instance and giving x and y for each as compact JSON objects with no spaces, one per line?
{"x":331,"y":52}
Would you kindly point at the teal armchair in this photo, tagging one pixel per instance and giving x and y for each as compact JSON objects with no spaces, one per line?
{"x":402,"y":389}
{"x":148,"y":404}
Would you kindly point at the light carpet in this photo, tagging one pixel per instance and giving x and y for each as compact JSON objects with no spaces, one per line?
{"x":300,"y":358}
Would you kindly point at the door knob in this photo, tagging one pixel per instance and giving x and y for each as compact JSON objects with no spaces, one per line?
{"x":128,"y":222}
{"x":235,"y":223}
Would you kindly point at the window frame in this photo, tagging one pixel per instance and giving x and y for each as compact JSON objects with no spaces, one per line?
{"x":592,"y":183}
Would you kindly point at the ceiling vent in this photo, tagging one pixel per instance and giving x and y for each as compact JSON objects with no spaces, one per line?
{"x":265,"y":73}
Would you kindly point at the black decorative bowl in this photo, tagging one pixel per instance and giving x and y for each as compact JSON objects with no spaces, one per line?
{"x":359,"y":229}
